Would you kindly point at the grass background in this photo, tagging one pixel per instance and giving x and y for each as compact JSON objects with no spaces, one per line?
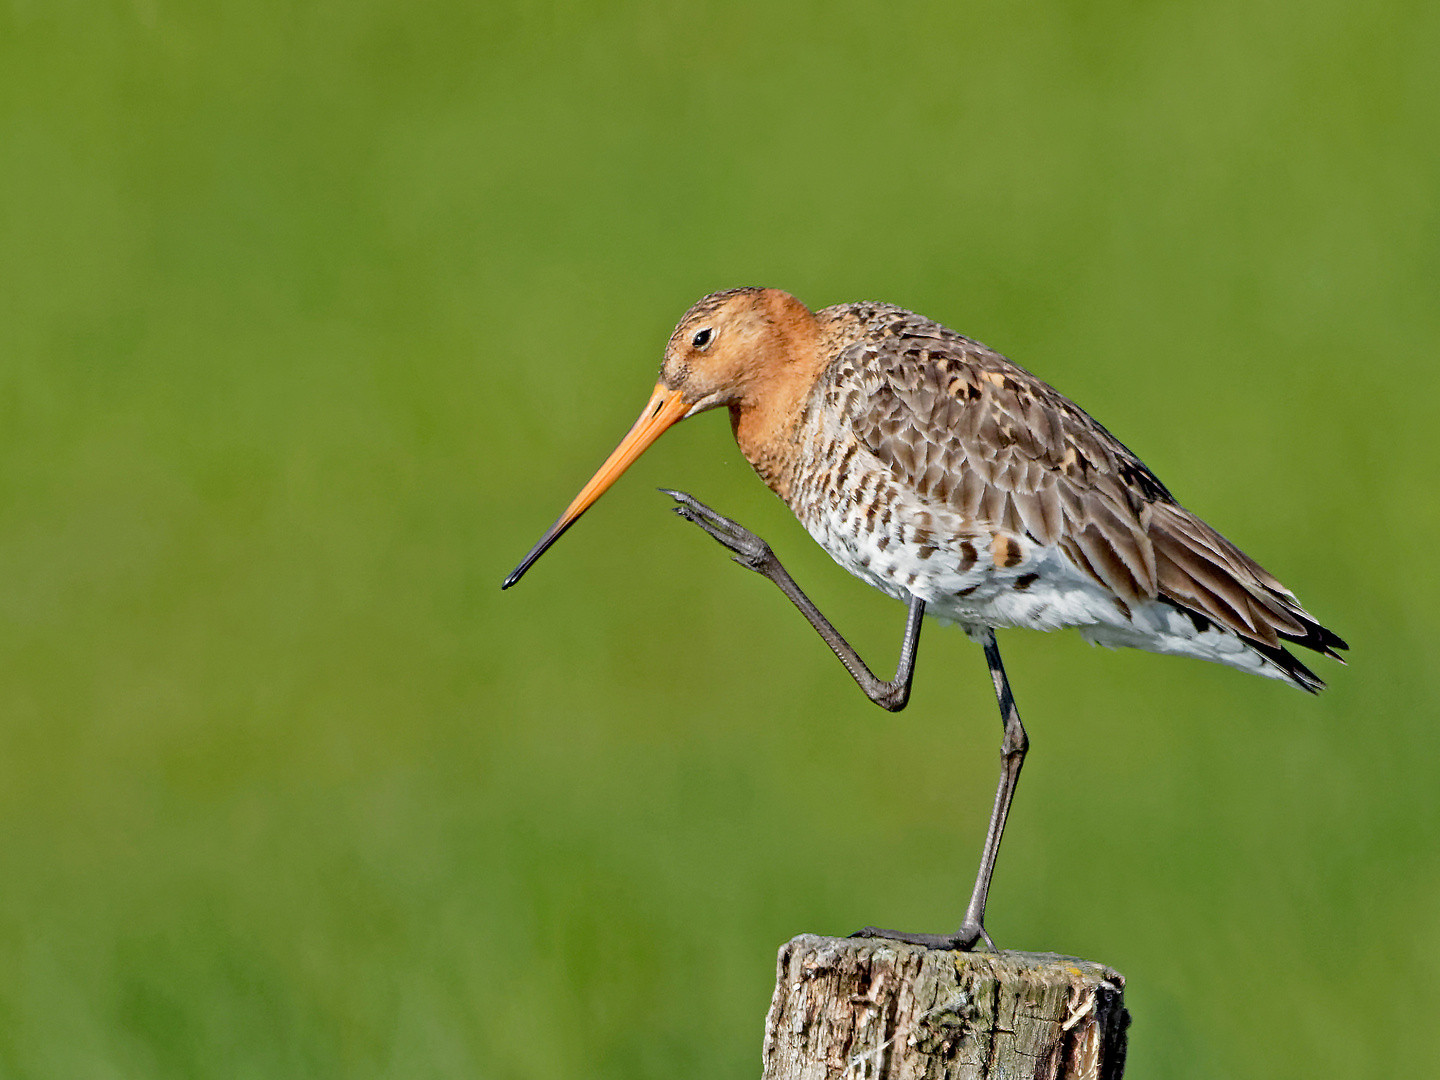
{"x":313,"y":316}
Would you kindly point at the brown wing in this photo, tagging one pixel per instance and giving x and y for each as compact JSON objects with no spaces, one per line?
{"x":963,"y":426}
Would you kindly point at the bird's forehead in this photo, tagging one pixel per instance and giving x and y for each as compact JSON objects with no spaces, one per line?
{"x":717,"y":309}
{"x":718,"y":303}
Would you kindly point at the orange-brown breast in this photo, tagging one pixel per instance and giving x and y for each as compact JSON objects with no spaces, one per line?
{"x":767,"y":420}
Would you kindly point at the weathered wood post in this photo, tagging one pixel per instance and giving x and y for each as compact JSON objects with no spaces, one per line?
{"x":879,"y":1010}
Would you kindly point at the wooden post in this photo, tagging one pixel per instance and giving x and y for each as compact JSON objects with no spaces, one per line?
{"x":865,"y":1009}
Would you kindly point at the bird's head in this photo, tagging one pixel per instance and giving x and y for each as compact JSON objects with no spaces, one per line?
{"x":729,"y":349}
{"x":730,"y":345}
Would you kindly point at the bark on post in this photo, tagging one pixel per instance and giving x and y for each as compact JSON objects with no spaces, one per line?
{"x":864,"y":1009}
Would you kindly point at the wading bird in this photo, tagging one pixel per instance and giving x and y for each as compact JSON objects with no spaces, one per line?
{"x":946,"y":476}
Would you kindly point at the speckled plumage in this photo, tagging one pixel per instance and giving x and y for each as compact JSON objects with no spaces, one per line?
{"x":926,"y":463}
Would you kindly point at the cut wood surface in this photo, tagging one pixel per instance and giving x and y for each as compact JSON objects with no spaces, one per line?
{"x":867,"y":1008}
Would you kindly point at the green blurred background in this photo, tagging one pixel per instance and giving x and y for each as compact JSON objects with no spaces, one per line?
{"x":314,"y":315}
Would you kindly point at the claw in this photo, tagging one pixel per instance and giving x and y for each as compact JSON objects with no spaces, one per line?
{"x":748,"y":549}
{"x":963,"y":940}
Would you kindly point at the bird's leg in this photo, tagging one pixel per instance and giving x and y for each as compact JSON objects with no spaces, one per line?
{"x":1012,"y":756}
{"x":754,"y":553}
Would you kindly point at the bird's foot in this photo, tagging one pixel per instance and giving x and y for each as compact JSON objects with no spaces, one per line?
{"x":965,"y":939}
{"x":748,"y":549}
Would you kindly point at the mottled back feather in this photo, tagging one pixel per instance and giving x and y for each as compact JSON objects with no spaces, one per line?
{"x":962,"y":426}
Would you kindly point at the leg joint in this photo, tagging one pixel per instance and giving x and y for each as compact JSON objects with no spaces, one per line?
{"x":892,"y":698}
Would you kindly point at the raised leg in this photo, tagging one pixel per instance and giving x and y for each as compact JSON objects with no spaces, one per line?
{"x":1012,"y":756}
{"x":754,"y":554}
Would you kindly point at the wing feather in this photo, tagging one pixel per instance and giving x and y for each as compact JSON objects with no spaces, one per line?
{"x":966,"y":428}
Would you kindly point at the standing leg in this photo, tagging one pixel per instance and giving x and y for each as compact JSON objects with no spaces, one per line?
{"x":1012,"y":756}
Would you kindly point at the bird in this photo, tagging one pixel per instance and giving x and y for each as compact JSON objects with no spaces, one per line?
{"x":948,"y":477}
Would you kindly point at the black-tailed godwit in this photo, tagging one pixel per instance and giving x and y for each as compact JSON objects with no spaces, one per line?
{"x":944,"y":475}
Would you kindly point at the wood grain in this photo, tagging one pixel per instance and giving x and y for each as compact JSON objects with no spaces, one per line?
{"x":863,"y":1008}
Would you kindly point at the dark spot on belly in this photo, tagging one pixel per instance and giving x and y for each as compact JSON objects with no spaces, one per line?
{"x":924,"y":551}
{"x":882,"y":543}
{"x":967,"y":555}
{"x":1005,"y":551}
{"x":967,"y":590}
{"x":1024,"y":581}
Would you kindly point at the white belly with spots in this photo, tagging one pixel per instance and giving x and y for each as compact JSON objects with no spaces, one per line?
{"x":1043,"y":591}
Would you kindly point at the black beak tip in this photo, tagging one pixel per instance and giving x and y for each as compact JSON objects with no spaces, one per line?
{"x":551,"y":535}
{"x":519,"y":571}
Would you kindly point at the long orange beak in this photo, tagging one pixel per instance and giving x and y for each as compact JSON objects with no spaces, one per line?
{"x":665,"y":407}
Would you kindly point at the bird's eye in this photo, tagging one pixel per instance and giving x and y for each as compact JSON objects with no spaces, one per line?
{"x":702,"y":338}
